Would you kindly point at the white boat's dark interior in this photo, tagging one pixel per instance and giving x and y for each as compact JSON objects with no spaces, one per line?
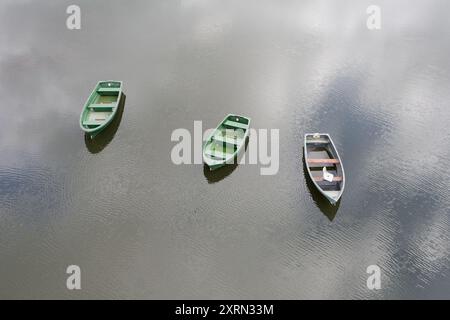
{"x":320,"y":154}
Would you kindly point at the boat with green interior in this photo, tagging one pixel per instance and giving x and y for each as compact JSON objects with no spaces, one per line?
{"x":226,"y":141}
{"x":101,"y":107}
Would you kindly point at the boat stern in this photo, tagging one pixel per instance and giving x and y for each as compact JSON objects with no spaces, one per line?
{"x":333,"y":196}
{"x":113,"y":84}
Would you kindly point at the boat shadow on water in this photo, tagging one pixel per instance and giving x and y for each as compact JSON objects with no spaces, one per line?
{"x":97,"y":144}
{"x":223,"y":172}
{"x":322,"y":203}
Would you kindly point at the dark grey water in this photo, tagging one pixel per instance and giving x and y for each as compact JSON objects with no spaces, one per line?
{"x":141,"y":227}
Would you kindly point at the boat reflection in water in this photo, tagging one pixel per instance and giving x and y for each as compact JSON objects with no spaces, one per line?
{"x":223,"y":172}
{"x":98,"y":143}
{"x":328,"y":209}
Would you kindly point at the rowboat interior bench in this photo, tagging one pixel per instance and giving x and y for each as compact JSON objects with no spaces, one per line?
{"x":316,"y":166}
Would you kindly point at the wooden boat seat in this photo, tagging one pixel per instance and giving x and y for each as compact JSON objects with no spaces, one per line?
{"x":234,"y":124}
{"x":320,"y":179}
{"x":323,"y":161}
{"x":216,"y":154}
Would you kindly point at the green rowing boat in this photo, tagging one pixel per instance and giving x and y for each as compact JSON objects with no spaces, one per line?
{"x":101,"y":107}
{"x":226,"y":141}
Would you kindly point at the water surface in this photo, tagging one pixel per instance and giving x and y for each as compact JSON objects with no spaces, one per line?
{"x":141,"y":227}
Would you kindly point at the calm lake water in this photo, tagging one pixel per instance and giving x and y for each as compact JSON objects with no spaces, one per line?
{"x":141,"y":227}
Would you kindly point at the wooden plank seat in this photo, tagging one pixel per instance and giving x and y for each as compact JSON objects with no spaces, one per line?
{"x":323,"y":161}
{"x":335,"y":179}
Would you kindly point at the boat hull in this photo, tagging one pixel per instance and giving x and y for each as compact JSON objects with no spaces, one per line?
{"x":226,"y":142}
{"x":324,"y":166}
